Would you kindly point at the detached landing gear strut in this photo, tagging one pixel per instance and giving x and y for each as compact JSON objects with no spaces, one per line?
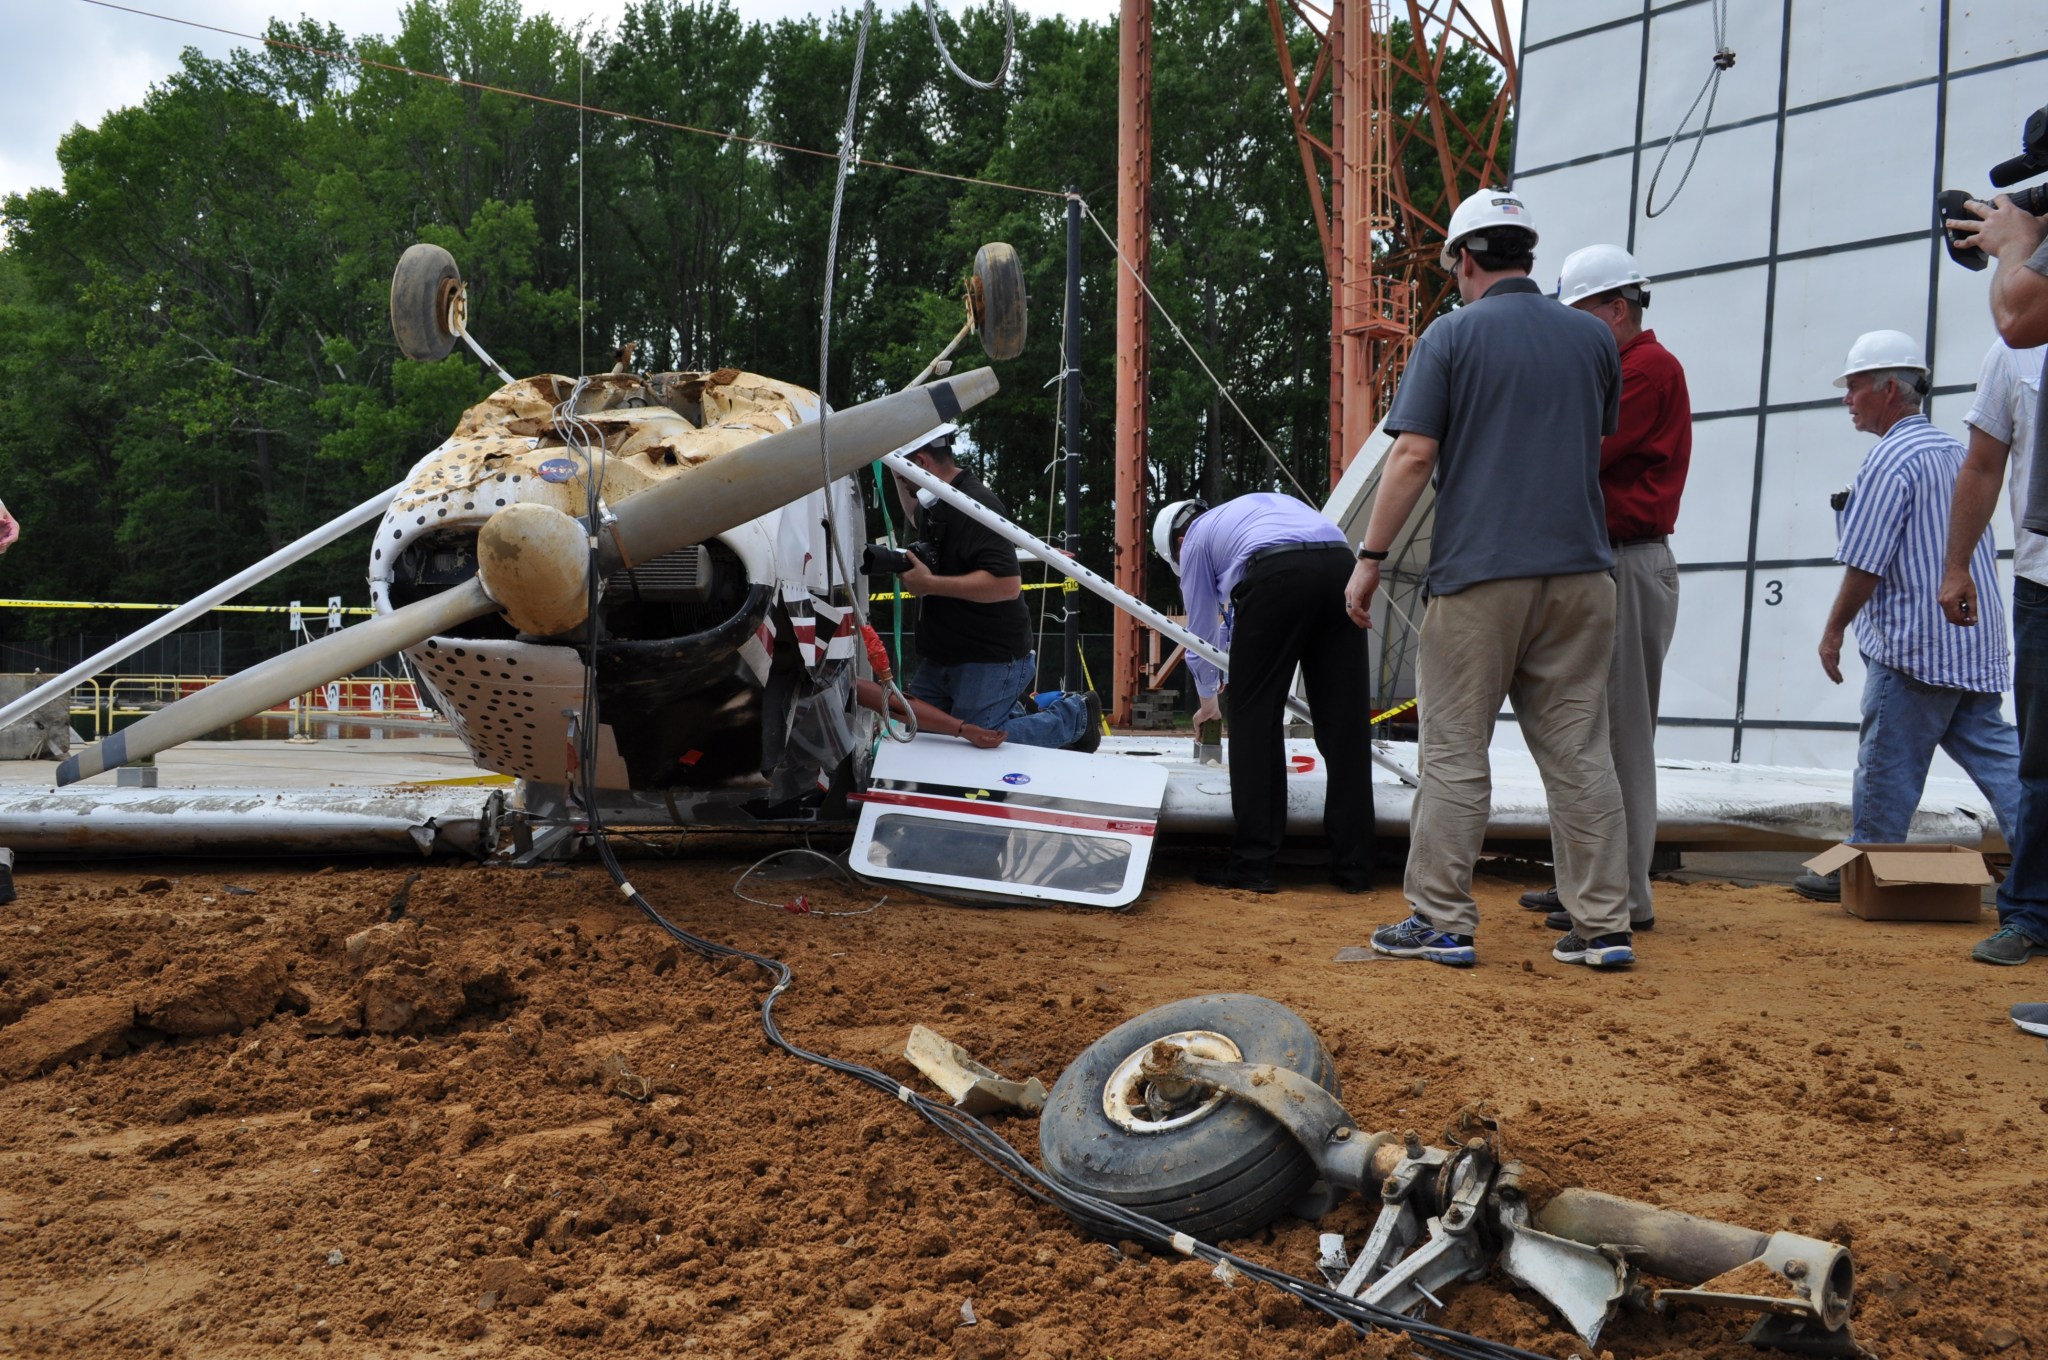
{"x":1217,"y":1114}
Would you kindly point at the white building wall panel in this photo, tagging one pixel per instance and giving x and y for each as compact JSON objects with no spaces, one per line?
{"x":1805,"y":222}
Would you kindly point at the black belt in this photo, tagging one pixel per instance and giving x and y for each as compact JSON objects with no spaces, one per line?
{"x":1274,"y":550}
{"x":1638,"y":542}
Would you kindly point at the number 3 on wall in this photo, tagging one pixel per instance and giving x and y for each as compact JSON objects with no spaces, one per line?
{"x":1774,"y":592}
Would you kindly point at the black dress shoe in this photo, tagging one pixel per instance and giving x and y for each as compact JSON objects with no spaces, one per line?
{"x":1546,"y":900}
{"x":1351,"y":883}
{"x":1237,"y":880}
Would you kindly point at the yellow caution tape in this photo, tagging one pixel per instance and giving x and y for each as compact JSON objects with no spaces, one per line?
{"x":308,"y":609}
{"x":906,"y":595}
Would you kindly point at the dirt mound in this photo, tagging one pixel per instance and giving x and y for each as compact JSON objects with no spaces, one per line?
{"x":518,"y":1120}
{"x":65,"y":1031}
{"x":191,"y":1000}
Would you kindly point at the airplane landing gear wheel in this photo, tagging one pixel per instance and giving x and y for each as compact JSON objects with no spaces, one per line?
{"x":422,"y":286}
{"x":999,"y":300}
{"x":1194,"y":1159}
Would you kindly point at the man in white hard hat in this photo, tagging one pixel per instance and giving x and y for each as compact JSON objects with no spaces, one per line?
{"x":1504,"y":403}
{"x":1927,"y":683}
{"x":1263,"y":579}
{"x":1642,"y":475}
{"x":2001,"y":422}
{"x":2019,"y":307}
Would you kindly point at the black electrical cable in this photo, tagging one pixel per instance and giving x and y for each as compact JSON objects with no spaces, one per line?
{"x":1096,"y":1216}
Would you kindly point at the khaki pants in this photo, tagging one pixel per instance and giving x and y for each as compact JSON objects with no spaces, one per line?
{"x":1645,"y":617}
{"x":1544,"y":644}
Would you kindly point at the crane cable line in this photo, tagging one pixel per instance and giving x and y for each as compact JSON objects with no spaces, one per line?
{"x":1181,"y":335}
{"x":1724,"y":60}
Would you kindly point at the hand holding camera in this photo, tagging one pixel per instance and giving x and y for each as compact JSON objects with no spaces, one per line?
{"x":1974,"y":230}
{"x":912,"y":566}
{"x":879,"y":559}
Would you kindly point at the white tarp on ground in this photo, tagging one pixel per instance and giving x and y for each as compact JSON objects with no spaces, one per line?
{"x":1700,"y":805}
{"x":93,"y":821}
{"x":1807,"y":220}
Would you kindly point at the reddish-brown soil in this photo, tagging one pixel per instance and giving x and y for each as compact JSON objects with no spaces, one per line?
{"x":521,"y":1122}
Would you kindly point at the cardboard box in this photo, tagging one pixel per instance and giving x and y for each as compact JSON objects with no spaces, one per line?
{"x":1907,"y":882}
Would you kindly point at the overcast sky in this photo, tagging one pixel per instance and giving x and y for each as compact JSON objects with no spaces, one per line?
{"x":76,"y":61}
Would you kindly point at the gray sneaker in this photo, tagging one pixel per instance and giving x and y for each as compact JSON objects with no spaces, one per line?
{"x":2007,"y":946}
{"x":1819,"y":887}
{"x":2031,"y":1016}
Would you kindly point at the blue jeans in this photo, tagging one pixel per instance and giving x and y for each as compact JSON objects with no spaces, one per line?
{"x":2023,"y":897}
{"x":1903,"y":721}
{"x":990,"y":694}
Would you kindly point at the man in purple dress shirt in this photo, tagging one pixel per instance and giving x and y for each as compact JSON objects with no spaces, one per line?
{"x":1263,"y":579}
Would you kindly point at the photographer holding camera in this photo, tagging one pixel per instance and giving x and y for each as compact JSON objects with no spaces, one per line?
{"x":973,"y":633}
{"x":2014,"y":235}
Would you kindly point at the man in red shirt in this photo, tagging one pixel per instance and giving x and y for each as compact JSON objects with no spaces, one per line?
{"x":1642,"y":474}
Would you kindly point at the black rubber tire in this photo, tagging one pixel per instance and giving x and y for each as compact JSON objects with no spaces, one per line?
{"x":1225,"y":1175}
{"x":419,"y":302}
{"x":1001,"y":280}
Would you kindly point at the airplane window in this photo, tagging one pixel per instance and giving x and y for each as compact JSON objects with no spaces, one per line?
{"x":1011,"y":854}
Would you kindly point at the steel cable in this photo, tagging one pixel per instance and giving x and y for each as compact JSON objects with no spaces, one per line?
{"x":1181,"y":336}
{"x":1724,"y":59}
{"x":931,"y":14}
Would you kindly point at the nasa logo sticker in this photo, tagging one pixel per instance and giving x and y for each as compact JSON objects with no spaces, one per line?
{"x":558,"y":469}
{"x":1016,"y":779}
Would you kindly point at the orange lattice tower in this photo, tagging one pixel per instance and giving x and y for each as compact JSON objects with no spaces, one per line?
{"x":1379,"y":234}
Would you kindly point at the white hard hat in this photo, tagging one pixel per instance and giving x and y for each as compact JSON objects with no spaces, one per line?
{"x":1170,"y":524}
{"x":1484,"y":208}
{"x":1596,"y":270}
{"x":1882,"y":349}
{"x":945,"y":431}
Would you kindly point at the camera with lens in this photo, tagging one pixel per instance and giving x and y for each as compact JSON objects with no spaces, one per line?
{"x":2032,"y":160}
{"x":879,"y":559}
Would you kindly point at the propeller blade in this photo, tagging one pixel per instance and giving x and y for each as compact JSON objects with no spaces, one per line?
{"x":280,"y":678}
{"x":774,"y":471}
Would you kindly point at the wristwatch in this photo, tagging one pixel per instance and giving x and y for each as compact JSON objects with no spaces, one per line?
{"x":1366,"y":554}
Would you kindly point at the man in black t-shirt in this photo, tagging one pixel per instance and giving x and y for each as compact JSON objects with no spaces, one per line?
{"x":973,"y":632}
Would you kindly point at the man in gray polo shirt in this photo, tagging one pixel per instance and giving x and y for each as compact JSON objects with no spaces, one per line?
{"x":1504,"y":403}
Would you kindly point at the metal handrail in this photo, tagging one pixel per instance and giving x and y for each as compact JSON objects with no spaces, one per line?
{"x":356,"y":696}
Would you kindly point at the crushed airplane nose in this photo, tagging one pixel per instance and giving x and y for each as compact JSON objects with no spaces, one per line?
{"x":1170,"y":1112}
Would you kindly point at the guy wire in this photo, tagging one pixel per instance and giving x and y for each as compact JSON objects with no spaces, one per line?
{"x":582,"y":155}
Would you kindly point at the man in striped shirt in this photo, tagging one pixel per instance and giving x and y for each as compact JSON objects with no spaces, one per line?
{"x":1927,"y":682}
